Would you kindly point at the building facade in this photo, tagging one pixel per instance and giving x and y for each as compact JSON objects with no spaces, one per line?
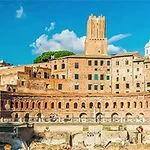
{"x":89,"y":85}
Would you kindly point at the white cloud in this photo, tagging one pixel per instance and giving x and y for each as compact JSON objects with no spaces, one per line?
{"x":51,"y":27}
{"x":19,"y":12}
{"x":118,"y":37}
{"x":112,"y":49}
{"x":66,"y":40}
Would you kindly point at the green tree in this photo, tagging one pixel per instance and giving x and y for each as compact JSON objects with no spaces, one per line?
{"x":44,"y":57}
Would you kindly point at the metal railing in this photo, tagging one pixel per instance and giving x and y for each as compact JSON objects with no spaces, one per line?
{"x":77,"y":120}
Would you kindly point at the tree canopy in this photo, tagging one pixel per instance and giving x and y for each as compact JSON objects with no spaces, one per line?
{"x":44,"y":57}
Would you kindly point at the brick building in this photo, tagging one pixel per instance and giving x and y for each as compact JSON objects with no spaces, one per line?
{"x":93,"y":84}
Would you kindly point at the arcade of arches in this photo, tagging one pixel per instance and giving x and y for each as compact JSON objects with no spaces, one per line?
{"x":77,"y":107}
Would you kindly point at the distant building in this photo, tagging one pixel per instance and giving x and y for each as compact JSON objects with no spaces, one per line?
{"x":147,"y":49}
{"x":93,"y":84}
{"x":4,"y":64}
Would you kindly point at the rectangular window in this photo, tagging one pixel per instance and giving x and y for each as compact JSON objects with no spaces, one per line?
{"x":95,"y":87}
{"x":89,"y":62}
{"x":95,"y":76}
{"x":148,"y":84}
{"x":76,"y":76}
{"x":127,"y":86}
{"x":117,"y":63}
{"x":55,"y":67}
{"x":124,"y":78}
{"x":108,"y":63}
{"x":76,"y":65}
{"x":101,"y":63}
{"x":137,"y":69}
{"x":63,"y":76}
{"x":95,"y":62}
{"x":89,"y":76}
{"x":76,"y":87}
{"x":101,"y":87}
{"x":101,"y":77}
{"x":117,"y":86}
{"x":89,"y":86}
{"x":62,"y":66}
{"x":107,"y":77}
{"x":135,"y":76}
{"x":59,"y":86}
{"x":127,"y":70}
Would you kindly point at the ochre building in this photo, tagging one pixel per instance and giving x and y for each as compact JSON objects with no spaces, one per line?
{"x":92,"y":85}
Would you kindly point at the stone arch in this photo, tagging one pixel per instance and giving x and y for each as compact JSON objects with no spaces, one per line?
{"x":134,"y":104}
{"x":141,"y":104}
{"x":121,"y":104}
{"x":59,"y":105}
{"x":82,"y":117}
{"x":106,"y":105}
{"x":75,"y":105}
{"x":53,"y":76}
{"x":128,"y":104}
{"x":91,"y":105}
{"x":27,"y":104}
{"x":83,"y":105}
{"x":141,"y":115}
{"x":33,"y":105}
{"x":45,"y":105}
{"x":98,"y":105}
{"x":128,"y":116}
{"x":114,"y":117}
{"x":39,"y":105}
{"x":67,"y":105}
{"x":52,"y":104}
{"x":114,"y":104}
{"x":99,"y":116}
{"x":26,"y":117}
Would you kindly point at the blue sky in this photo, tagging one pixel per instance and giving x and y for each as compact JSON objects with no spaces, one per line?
{"x":28,"y":28}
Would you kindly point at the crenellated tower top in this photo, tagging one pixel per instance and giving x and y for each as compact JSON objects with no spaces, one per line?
{"x":96,"y":31}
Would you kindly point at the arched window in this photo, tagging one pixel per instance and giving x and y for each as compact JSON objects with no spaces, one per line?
{"x":114,"y":105}
{"x":67,"y":105}
{"x":75,"y":105}
{"x":91,"y":105}
{"x":16,"y":104}
{"x":106,"y":105}
{"x":39,"y":105}
{"x":33,"y":105}
{"x":45,"y":104}
{"x":11,"y":104}
{"x":128,"y":104}
{"x":121,"y":105}
{"x":83,"y":105}
{"x":59,"y":105}
{"x":141,"y":105}
{"x":146,"y":104}
{"x":98,"y":105}
{"x":21,"y":104}
{"x":52,"y":105}
{"x":27,"y":104}
{"x":134,"y":104}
